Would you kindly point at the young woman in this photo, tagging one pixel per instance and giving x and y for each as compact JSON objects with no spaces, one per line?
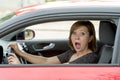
{"x":82,"y":41}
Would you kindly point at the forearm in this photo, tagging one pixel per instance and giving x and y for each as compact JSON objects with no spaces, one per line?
{"x":32,"y":58}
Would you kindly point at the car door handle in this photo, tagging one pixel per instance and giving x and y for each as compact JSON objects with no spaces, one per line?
{"x":50,"y":46}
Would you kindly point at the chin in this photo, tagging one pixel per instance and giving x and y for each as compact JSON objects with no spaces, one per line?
{"x":77,"y":50}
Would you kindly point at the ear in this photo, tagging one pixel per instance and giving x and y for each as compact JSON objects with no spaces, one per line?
{"x":90,"y":39}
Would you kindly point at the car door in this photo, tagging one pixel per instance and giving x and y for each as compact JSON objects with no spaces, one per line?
{"x":12,"y":27}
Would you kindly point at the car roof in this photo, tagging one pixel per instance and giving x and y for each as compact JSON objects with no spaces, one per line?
{"x":64,"y":4}
{"x":69,"y":9}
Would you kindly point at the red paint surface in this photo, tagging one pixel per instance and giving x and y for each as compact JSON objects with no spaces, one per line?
{"x":60,"y":73}
{"x":26,"y":9}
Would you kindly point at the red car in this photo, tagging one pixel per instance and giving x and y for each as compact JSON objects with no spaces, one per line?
{"x":44,"y":25}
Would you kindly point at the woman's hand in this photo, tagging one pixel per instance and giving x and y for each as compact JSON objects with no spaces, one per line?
{"x":13,"y":59}
{"x":13,"y":45}
{"x":16,"y":47}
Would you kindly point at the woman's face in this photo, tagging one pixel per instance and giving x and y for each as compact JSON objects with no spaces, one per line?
{"x":80,"y":39}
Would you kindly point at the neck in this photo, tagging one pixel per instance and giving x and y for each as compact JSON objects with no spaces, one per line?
{"x":84,"y":52}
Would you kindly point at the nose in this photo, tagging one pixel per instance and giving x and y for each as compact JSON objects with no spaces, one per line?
{"x":77,"y":37}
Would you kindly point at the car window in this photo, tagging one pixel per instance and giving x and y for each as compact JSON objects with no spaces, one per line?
{"x":57,"y":30}
{"x":51,"y":38}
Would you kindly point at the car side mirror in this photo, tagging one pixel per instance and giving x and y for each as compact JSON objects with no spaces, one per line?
{"x":25,"y":35}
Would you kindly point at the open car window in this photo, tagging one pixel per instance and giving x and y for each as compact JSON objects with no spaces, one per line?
{"x":51,"y":39}
{"x":50,"y":30}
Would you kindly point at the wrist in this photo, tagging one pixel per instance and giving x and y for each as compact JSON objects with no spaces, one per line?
{"x":19,"y":52}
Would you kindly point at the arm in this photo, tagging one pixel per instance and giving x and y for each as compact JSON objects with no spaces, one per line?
{"x":38,"y":59}
{"x":33,"y":58}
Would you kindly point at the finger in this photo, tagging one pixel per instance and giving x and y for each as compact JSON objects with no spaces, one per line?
{"x":12,"y":54}
{"x":10,"y":60}
{"x":10,"y":57}
{"x":11,"y":44}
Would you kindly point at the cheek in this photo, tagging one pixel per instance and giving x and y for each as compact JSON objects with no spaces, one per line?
{"x":72,"y":39}
{"x":72,"y":42}
{"x":85,"y":40}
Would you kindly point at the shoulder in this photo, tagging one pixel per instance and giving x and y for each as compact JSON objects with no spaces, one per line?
{"x":92,"y":54}
{"x":92,"y":57}
{"x":87,"y":59}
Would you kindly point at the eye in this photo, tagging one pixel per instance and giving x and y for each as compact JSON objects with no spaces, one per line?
{"x":82,"y":33}
{"x":74,"y":33}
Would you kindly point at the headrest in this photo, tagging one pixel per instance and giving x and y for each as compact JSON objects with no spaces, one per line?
{"x":107,"y":32}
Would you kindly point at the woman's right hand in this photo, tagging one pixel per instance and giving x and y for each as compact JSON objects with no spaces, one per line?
{"x":13,"y":59}
{"x":16,"y":48}
{"x":13,"y":45}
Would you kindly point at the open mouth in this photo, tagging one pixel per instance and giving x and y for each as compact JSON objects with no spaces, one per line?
{"x":77,"y":45}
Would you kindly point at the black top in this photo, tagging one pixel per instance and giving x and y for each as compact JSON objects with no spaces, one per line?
{"x":89,"y":58}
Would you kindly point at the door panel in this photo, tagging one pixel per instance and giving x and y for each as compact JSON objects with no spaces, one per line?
{"x":47,"y":48}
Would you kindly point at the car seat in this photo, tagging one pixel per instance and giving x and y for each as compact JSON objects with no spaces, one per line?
{"x":107,"y":31}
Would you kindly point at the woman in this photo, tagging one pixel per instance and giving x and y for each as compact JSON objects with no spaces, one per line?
{"x":82,"y":42}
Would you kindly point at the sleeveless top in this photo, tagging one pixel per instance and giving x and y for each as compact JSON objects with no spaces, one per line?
{"x":88,"y":58}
